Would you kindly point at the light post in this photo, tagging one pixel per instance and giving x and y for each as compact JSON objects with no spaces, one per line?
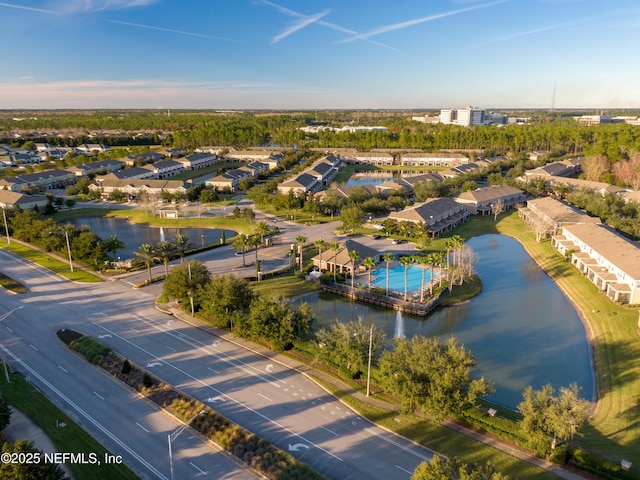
{"x":4,"y":364}
{"x":369,"y":364}
{"x":66,"y":235}
{"x":176,"y":434}
{"x":202,"y":238}
{"x":6,"y":226}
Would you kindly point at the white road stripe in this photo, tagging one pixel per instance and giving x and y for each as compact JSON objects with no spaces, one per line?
{"x":142,"y":427}
{"x":98,"y":395}
{"x":63,"y":369}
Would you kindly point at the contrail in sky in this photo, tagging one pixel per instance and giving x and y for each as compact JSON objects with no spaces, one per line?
{"x":170,"y":30}
{"x":305,"y":21}
{"x":417,"y":21}
{"x":31,"y":9}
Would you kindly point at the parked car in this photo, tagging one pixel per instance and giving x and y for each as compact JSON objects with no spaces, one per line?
{"x":396,"y":241}
{"x":375,"y":236}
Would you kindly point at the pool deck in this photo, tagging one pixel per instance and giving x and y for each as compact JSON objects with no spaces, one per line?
{"x":393,"y":303}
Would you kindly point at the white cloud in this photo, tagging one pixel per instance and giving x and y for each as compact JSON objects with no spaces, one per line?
{"x":80,"y":6}
{"x":299,"y":25}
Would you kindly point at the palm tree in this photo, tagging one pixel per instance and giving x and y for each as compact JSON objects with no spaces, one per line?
{"x":433,"y":259}
{"x":321,"y":244}
{"x":458,"y":244}
{"x":113,"y":244}
{"x":254,"y":241}
{"x":405,"y":262}
{"x":439,"y":261}
{"x":165,"y":250}
{"x":354,"y":256}
{"x":388,"y":258}
{"x":240,"y":244}
{"x":262,"y":229}
{"x":424,"y":261}
{"x":300,"y":239}
{"x":369,"y":263}
{"x":182,"y":244}
{"x":335,"y":246}
{"x":147,"y":255}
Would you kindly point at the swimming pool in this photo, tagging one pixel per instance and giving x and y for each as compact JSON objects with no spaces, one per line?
{"x":396,"y":277}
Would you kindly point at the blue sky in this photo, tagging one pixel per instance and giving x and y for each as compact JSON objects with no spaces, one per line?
{"x":312,"y":54}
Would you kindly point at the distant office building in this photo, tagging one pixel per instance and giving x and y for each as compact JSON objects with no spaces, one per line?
{"x":463,"y":116}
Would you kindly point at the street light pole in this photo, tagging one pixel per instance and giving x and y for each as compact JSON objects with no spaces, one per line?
{"x":369,"y":365}
{"x":176,"y":434}
{"x":66,"y":235}
{"x":6,"y":226}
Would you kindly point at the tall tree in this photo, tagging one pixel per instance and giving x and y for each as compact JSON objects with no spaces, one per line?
{"x":335,"y":248}
{"x":300,"y":241}
{"x":186,"y":282}
{"x":428,"y":374}
{"x":547,"y":415}
{"x":165,"y":250}
{"x":262,"y":229}
{"x":182,"y":244}
{"x":147,"y":255}
{"x":354,"y":256}
{"x":322,"y":245}
{"x":346,"y":345}
{"x":241,"y":244}
{"x":406,"y":263}
{"x":440,"y":469}
{"x":113,"y":244}
{"x":369,"y":263}
{"x":388,"y":258}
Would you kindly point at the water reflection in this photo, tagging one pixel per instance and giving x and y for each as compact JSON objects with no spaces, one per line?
{"x":135,"y":235}
{"x":521,"y":329}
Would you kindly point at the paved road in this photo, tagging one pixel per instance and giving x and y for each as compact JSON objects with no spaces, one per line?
{"x":117,"y":417}
{"x":267,"y":398}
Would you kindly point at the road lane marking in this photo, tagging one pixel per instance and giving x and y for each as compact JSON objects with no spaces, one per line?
{"x":9,"y":329}
{"x":172,"y":349}
{"x":137,"y":331}
{"x":77,"y":408}
{"x":63,"y":369}
{"x":142,"y":427}
{"x":196,"y":467}
{"x":33,"y":347}
{"x":214,"y":371}
{"x":330,"y":431}
{"x":404,"y":470}
{"x":98,"y":395}
{"x":222,"y":394}
{"x":265,"y":397}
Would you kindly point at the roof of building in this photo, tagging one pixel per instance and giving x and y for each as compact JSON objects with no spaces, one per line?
{"x":488,"y":193}
{"x":560,"y":212}
{"x":456,"y":156}
{"x":341,"y":257}
{"x":618,"y":250}
{"x":422,"y":212}
{"x":137,"y":183}
{"x":129,"y":173}
{"x":8,"y":197}
{"x":303,"y":180}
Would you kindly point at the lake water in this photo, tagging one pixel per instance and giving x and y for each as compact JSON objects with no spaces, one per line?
{"x":135,"y":235}
{"x":521,"y":329}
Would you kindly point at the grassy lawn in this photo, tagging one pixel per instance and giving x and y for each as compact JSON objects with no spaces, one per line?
{"x":288,"y":284}
{"x":442,"y":439}
{"x":11,"y":284}
{"x":71,"y":438}
{"x":614,"y":429}
{"x":50,"y":263}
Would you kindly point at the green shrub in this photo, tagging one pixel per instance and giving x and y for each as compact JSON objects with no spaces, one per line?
{"x":91,"y":349}
{"x":147,"y":381}
{"x":603,"y":468}
{"x":126,"y":367}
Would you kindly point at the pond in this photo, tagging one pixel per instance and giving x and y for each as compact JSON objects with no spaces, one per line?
{"x":135,"y":235}
{"x":521,"y":329}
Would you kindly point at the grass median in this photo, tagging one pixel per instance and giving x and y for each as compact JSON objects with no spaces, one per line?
{"x":71,"y":438}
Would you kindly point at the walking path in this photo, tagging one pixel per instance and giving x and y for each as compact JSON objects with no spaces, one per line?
{"x":22,"y":428}
{"x":311,"y":372}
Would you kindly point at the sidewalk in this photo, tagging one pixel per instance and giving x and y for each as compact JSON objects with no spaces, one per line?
{"x":309,"y":371}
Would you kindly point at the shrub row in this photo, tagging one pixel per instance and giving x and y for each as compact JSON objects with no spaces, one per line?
{"x":258,"y":453}
{"x":90,"y":349}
